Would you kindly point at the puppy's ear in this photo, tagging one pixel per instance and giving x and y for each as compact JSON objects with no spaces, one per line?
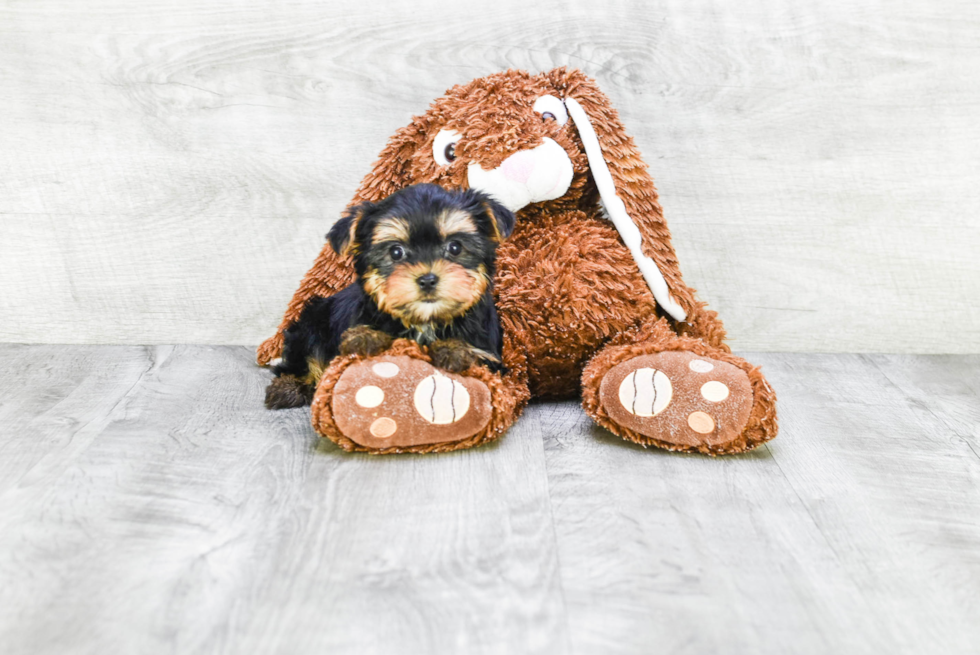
{"x":341,"y":235}
{"x":502,"y":220}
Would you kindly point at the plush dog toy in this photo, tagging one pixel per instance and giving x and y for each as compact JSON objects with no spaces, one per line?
{"x":588,"y":288}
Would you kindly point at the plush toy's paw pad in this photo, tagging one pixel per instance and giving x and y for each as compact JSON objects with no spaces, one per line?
{"x":397,"y":401}
{"x":679,"y":398}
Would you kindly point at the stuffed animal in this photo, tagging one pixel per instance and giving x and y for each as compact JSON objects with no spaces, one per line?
{"x":587,"y":287}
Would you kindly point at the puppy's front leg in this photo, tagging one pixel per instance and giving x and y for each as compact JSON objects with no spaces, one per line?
{"x":452,"y":355}
{"x":365,"y":341}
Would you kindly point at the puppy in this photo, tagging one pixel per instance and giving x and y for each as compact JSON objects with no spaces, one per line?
{"x":424,"y":259}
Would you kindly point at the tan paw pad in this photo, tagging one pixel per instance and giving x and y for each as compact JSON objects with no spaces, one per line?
{"x":385,"y":369}
{"x":397,"y":401}
{"x":383,"y":427}
{"x":645,"y":392}
{"x":700,"y":366}
{"x":369,"y":396}
{"x":677,"y":397}
{"x":441,"y":400}
{"x":714,"y":391}
{"x":701,"y":422}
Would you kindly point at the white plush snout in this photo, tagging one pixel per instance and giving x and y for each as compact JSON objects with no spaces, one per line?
{"x":535,"y":175}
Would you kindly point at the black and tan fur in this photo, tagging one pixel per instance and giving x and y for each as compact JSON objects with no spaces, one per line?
{"x":424,"y":259}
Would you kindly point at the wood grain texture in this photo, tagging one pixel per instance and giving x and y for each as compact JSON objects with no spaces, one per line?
{"x":149,"y":504}
{"x":167,"y":173}
{"x":855,"y":531}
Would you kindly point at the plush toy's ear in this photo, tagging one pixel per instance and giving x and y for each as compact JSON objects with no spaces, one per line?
{"x":341,"y":235}
{"x":390,"y":172}
{"x":626,"y":189}
{"x":501,"y":218}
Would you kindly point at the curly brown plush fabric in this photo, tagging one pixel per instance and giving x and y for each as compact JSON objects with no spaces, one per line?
{"x":654,"y":337}
{"x":570,"y":295}
{"x":508,"y":392}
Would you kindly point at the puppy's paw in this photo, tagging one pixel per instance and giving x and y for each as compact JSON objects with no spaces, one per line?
{"x":287,"y":391}
{"x":452,"y":355}
{"x":365,"y":341}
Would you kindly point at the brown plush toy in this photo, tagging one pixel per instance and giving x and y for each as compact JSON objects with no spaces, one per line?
{"x":588,"y":288}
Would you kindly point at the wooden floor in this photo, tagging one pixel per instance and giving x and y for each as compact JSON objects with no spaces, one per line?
{"x":149,"y":504}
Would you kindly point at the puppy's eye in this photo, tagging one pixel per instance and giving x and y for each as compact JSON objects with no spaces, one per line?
{"x":551,"y":108}
{"x":397,"y":253}
{"x":454,"y":248}
{"x":444,"y":147}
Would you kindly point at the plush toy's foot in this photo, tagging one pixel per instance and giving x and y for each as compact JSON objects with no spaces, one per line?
{"x":681,"y":400}
{"x":400,"y":403}
{"x":678,"y":398}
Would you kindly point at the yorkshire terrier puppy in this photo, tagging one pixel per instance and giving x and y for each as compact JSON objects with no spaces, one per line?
{"x":424,"y":259}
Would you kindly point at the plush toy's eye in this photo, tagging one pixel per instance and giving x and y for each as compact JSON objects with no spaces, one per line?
{"x":396,"y":253}
{"x":454,"y":248}
{"x":444,"y":147}
{"x":551,"y":108}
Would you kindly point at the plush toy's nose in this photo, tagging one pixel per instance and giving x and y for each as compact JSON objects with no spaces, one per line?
{"x":428,"y":281}
{"x":518,"y":167}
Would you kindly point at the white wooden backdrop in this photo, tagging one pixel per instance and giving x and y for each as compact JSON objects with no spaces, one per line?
{"x":168,"y":169}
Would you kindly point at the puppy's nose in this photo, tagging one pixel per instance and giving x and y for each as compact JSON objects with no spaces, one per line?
{"x":428,"y":281}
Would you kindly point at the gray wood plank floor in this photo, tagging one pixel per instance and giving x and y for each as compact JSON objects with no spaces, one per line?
{"x":149,"y":504}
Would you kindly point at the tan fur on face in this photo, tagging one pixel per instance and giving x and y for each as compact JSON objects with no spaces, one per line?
{"x":459,"y":284}
{"x":401,"y":288}
{"x":391,"y":229}
{"x":454,"y":221}
{"x":458,"y":290}
{"x":351,"y":249}
{"x":376,"y":287}
{"x":493,"y":222}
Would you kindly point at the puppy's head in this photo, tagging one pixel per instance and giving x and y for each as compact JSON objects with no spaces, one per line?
{"x":424,"y":254}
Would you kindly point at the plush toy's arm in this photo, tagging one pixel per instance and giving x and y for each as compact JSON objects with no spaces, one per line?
{"x":329,"y":274}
